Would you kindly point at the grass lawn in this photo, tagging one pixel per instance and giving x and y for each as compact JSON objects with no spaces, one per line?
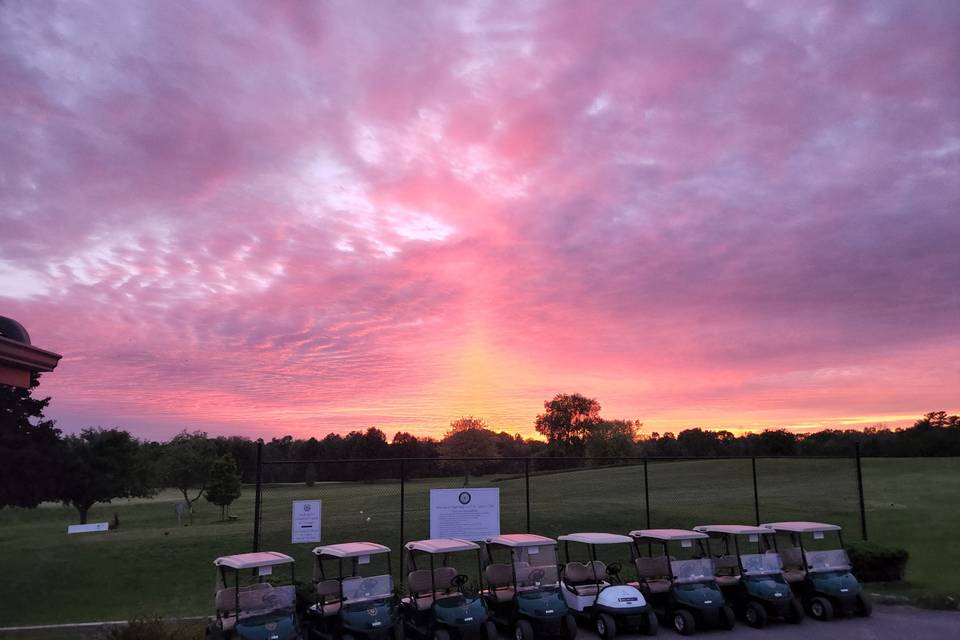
{"x":150,"y":566}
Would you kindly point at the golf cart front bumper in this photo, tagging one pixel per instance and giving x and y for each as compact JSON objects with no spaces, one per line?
{"x":628,"y":617}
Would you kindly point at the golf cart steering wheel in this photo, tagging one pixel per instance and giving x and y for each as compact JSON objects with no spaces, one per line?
{"x":614,"y":568}
{"x":459,"y":580}
{"x":536,"y":575}
{"x":367,"y":585}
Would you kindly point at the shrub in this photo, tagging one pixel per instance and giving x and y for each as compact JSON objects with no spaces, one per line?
{"x":150,"y":629}
{"x":873,"y":563}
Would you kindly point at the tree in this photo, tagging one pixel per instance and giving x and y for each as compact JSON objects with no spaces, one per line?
{"x":185,"y":464}
{"x":224,"y":485}
{"x":568,"y":419}
{"x":468,"y":438}
{"x":102,"y":465}
{"x":31,"y":460}
{"x":612,"y":439}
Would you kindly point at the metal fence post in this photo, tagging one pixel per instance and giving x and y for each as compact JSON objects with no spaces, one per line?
{"x":646,"y":491}
{"x":258,"y":497}
{"x":526,"y":475}
{"x":863,"y":511}
{"x":756,"y":494}
{"x":403,"y":483}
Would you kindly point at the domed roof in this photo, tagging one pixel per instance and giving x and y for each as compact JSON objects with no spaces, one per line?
{"x":13,"y":330}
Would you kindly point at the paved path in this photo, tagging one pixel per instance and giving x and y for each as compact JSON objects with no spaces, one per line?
{"x":886,"y":623}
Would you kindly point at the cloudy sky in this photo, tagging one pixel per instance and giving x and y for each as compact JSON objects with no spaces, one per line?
{"x":302,"y":217}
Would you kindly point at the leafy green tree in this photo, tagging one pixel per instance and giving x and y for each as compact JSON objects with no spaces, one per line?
{"x":468,"y":438}
{"x":612,"y":439}
{"x":102,"y":465}
{"x":567,"y":420}
{"x":185,"y":464}
{"x":31,"y":461}
{"x":224,"y":485}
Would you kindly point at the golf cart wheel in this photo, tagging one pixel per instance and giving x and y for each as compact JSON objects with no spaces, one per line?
{"x":684,"y":622}
{"x":652,"y":625}
{"x":569,"y":625}
{"x":864,"y":605}
{"x":606,"y":626}
{"x":755,"y":615}
{"x":821,"y":609}
{"x":727,"y":618}
{"x":523,"y":630}
{"x":441,"y":634}
{"x":490,"y":631}
{"x":347,"y":636}
{"x":795,"y":612}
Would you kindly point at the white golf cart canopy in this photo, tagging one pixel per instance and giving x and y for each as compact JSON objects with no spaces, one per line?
{"x":800,"y":527}
{"x":253,"y":560}
{"x":521,"y":540}
{"x":732,"y":529}
{"x":441,"y":545}
{"x":351,"y":549}
{"x":667,"y":535}
{"x":595,"y":538}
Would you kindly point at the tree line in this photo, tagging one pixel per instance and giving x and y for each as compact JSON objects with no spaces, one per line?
{"x":38,"y":463}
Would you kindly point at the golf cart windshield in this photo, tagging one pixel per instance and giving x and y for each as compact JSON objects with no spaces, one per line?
{"x":691,"y":570}
{"x":758,"y":564}
{"x":536,"y":566}
{"x":833,"y":560}
{"x":360,"y":589}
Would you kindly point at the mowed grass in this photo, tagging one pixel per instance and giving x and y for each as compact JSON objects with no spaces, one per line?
{"x":150,"y":566}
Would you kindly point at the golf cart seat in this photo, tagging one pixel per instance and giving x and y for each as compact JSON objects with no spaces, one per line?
{"x":582,"y":578}
{"x":727,"y":570}
{"x":421,"y":582}
{"x":655,"y":573}
{"x":500,"y":579}
{"x":793,"y":570}
{"x":328,"y":597}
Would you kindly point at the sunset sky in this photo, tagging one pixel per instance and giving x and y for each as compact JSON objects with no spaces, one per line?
{"x":262,"y":218}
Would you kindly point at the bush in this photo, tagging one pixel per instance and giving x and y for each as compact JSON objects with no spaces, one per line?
{"x":873,"y":563}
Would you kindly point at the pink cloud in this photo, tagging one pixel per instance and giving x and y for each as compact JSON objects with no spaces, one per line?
{"x":293,"y":217}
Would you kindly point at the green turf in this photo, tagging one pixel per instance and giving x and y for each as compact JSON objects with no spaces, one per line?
{"x":150,"y":566}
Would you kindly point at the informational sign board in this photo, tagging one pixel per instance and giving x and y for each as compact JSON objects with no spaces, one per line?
{"x":471,"y":514}
{"x":88,"y":528}
{"x":306,"y":521}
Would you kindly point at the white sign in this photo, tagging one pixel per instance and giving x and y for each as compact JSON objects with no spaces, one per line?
{"x":471,"y":514}
{"x":88,"y":528}
{"x":306,"y":521}
{"x":264,"y":571}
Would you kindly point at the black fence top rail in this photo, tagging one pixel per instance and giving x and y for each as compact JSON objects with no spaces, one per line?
{"x":564,"y":458}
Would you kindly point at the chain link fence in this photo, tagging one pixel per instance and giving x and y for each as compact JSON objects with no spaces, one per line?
{"x":388,"y":500}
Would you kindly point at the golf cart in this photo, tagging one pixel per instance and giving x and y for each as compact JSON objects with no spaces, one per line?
{"x":596,"y":592}
{"x":357,"y":600}
{"x":258,"y":610}
{"x":438,"y":606}
{"x":677,"y":576}
{"x":818,"y":570}
{"x":750,"y":574}
{"x":522,"y":586}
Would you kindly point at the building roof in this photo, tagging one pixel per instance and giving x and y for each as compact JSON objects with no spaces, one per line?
{"x":351,"y":549}
{"x":253,"y":560}
{"x":441,"y":545}
{"x":734,"y":529}
{"x":521,"y":540}
{"x":668,"y":534}
{"x":595,"y":538}
{"x":800,"y":526}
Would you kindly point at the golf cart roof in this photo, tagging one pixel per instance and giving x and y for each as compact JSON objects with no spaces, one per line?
{"x":441,"y":545}
{"x":253,"y":560}
{"x":521,"y":540}
{"x":800,"y":526}
{"x":595,"y":538}
{"x":668,"y":534}
{"x":734,"y":529}
{"x":351,"y":549}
